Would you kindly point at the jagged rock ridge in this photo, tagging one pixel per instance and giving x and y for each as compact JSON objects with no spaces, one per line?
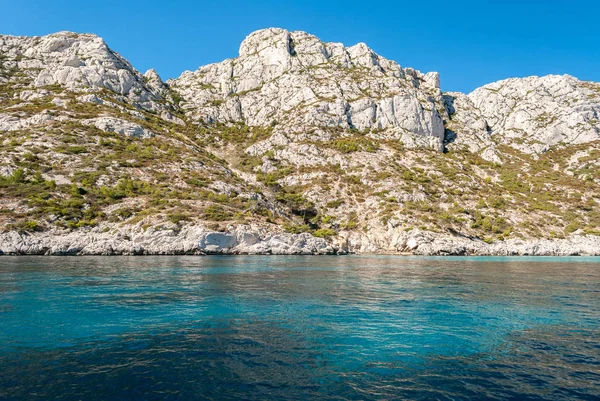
{"x":80,"y":61}
{"x":296,"y":82}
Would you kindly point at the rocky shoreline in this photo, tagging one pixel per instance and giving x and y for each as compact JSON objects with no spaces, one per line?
{"x":246,"y":240}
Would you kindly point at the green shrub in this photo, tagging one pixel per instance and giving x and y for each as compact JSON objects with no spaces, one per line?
{"x":18,"y":176}
{"x":32,"y":225}
{"x":481,"y":204}
{"x":354,"y":144}
{"x":513,"y":183}
{"x":327,"y":219}
{"x":125,"y":213}
{"x":334,"y":204}
{"x":497,"y":202}
{"x":71,"y":149}
{"x":274,"y":176}
{"x":297,"y":203}
{"x":297,"y":229}
{"x":572,"y":227}
{"x":216,"y":213}
{"x":112,"y":193}
{"x":176,"y":218}
{"x":324,"y":233}
{"x":352,"y":222}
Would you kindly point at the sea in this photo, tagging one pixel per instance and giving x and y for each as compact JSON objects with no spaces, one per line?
{"x":299,"y":328}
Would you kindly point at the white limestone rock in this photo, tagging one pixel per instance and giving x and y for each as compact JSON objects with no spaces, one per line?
{"x":245,"y":240}
{"x":419,"y":242}
{"x":534,"y":114}
{"x":81,"y":62}
{"x":155,"y":83}
{"x":467,"y":128}
{"x":166,"y":241}
{"x":122,"y":127}
{"x":12,"y":122}
{"x":300,"y":83}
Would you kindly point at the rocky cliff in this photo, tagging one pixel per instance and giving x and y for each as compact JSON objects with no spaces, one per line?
{"x":298,"y":84}
{"x":295,"y":146}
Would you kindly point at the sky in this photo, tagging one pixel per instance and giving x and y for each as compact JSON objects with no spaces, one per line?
{"x":470,"y":43}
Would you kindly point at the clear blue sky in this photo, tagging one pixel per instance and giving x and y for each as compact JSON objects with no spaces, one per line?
{"x":470,"y":43}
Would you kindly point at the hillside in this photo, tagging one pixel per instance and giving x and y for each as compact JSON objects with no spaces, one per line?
{"x":295,"y":146}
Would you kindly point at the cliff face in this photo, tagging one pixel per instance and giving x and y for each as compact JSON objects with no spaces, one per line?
{"x":295,"y":146}
{"x":535,"y":114}
{"x":76,"y":62}
{"x":296,"y":83}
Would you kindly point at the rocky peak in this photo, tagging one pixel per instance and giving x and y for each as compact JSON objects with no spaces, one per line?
{"x":152,"y":75}
{"x":270,"y":40}
{"x":296,"y":50}
{"x":154,"y":82}
{"x":297,"y":83}
{"x":79,"y":62}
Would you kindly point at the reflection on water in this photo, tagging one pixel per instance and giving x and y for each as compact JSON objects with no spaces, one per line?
{"x":299,"y":328}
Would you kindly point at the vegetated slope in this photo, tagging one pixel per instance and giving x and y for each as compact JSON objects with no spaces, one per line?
{"x":87,"y":140}
{"x":296,"y":135}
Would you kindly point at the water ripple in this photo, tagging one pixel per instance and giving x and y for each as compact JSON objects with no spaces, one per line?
{"x":297,"y":328}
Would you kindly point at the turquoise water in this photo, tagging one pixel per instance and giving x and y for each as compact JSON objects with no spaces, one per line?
{"x":297,"y":328}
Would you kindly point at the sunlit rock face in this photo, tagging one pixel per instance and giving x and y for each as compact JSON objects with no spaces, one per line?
{"x":533,"y":114}
{"x":295,"y":82}
{"x":81,"y":62}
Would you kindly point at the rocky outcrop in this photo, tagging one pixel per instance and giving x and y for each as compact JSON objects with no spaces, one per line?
{"x":533,"y":114}
{"x":163,"y":241}
{"x":467,"y":128}
{"x":10,"y":122}
{"x":80,"y":62}
{"x":295,"y":82}
{"x":424,"y":243}
{"x":193,"y":240}
{"x":110,"y":124}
